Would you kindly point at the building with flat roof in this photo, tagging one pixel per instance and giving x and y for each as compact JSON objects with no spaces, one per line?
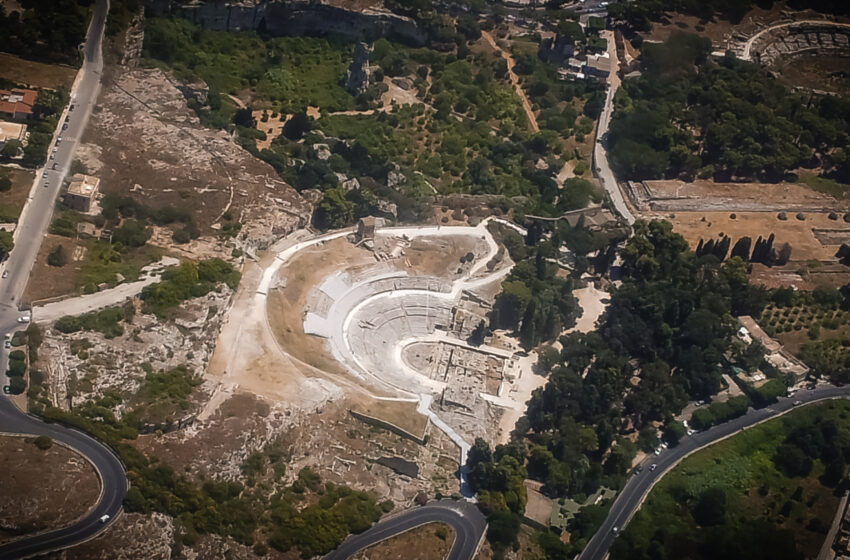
{"x":17,"y":103}
{"x":82,"y":190}
{"x":11,"y":131}
{"x":598,"y":65}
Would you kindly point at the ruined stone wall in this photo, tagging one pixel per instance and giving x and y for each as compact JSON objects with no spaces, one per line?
{"x":295,"y":17}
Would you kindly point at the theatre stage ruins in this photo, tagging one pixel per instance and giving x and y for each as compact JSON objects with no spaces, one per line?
{"x":379,"y":317}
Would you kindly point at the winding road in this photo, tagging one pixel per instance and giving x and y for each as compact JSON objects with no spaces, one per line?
{"x":32,"y":226}
{"x":639,"y":485}
{"x":463,"y":517}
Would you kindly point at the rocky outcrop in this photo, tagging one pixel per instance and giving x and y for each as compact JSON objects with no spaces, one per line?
{"x":358,"y":74}
{"x":298,"y":17}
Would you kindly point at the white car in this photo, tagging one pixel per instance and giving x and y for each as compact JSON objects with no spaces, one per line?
{"x":104,"y":518}
{"x":24,"y":319}
{"x":44,"y":174}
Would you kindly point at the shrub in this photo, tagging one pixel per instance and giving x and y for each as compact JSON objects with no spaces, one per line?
{"x":57,"y":256}
{"x":800,"y":216}
{"x":833,"y":216}
{"x":782,"y":216}
{"x":43,"y":442}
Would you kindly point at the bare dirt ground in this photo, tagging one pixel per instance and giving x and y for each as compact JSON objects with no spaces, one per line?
{"x":143,"y":141}
{"x":273,"y":127}
{"x":287,"y":304}
{"x":694,"y":226}
{"x":428,"y":542}
{"x":28,"y":504}
{"x":36,"y":74}
{"x":678,"y":196}
{"x":50,"y":281}
{"x":13,"y":200}
{"x":816,"y":71}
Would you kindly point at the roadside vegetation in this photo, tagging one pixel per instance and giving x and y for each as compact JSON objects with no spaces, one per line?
{"x":769,"y":492}
{"x":673,"y":313}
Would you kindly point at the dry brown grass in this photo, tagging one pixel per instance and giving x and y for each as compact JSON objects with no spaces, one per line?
{"x":398,"y":413}
{"x":286,"y":306}
{"x":13,"y":200}
{"x":42,"y":489}
{"x":51,"y":281}
{"x":428,"y":542}
{"x":36,"y":74}
{"x":804,"y":244}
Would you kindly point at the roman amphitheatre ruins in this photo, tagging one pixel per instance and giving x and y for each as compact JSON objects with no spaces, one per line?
{"x":381,"y":316}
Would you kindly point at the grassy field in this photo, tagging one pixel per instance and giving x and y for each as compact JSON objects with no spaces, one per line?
{"x":12,"y":201}
{"x":756,"y":492}
{"x":824,"y":185}
{"x":284,"y":73}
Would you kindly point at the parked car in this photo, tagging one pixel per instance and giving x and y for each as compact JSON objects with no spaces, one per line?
{"x":7,"y":390}
{"x":5,"y":273}
{"x":8,"y":344}
{"x":24,"y":319}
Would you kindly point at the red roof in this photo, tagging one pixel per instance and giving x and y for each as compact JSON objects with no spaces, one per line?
{"x":17,"y":101}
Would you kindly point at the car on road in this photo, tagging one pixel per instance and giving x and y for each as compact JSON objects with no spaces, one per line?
{"x":615,"y":529}
{"x":8,"y":344}
{"x":5,"y":273}
{"x":71,"y":108}
{"x":54,"y":165}
{"x":652,"y":467}
{"x":65,"y":126}
{"x":796,"y":403}
{"x":657,"y":451}
{"x":24,"y":319}
{"x":53,"y":156}
{"x":104,"y":518}
{"x":638,"y":469}
{"x":58,"y":139}
{"x":691,"y":432}
{"x":44,"y":174}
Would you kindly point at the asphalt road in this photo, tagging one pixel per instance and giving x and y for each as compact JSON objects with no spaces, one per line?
{"x":32,"y":226}
{"x":629,"y":500}
{"x":38,"y":210}
{"x":109,"y":469}
{"x":468,"y":524}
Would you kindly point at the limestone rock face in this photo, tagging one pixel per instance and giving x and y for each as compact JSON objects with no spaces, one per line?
{"x":357,"y":78}
{"x":294,"y":17}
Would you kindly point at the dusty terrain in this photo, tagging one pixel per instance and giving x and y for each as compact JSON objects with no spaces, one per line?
{"x":428,"y":542}
{"x":814,"y":71}
{"x":29,"y":505}
{"x":12,"y":201}
{"x":143,"y":141}
{"x":805,"y":245}
{"x":36,"y":74}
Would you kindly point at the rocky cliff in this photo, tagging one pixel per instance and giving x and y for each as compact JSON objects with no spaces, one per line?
{"x":293,"y":17}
